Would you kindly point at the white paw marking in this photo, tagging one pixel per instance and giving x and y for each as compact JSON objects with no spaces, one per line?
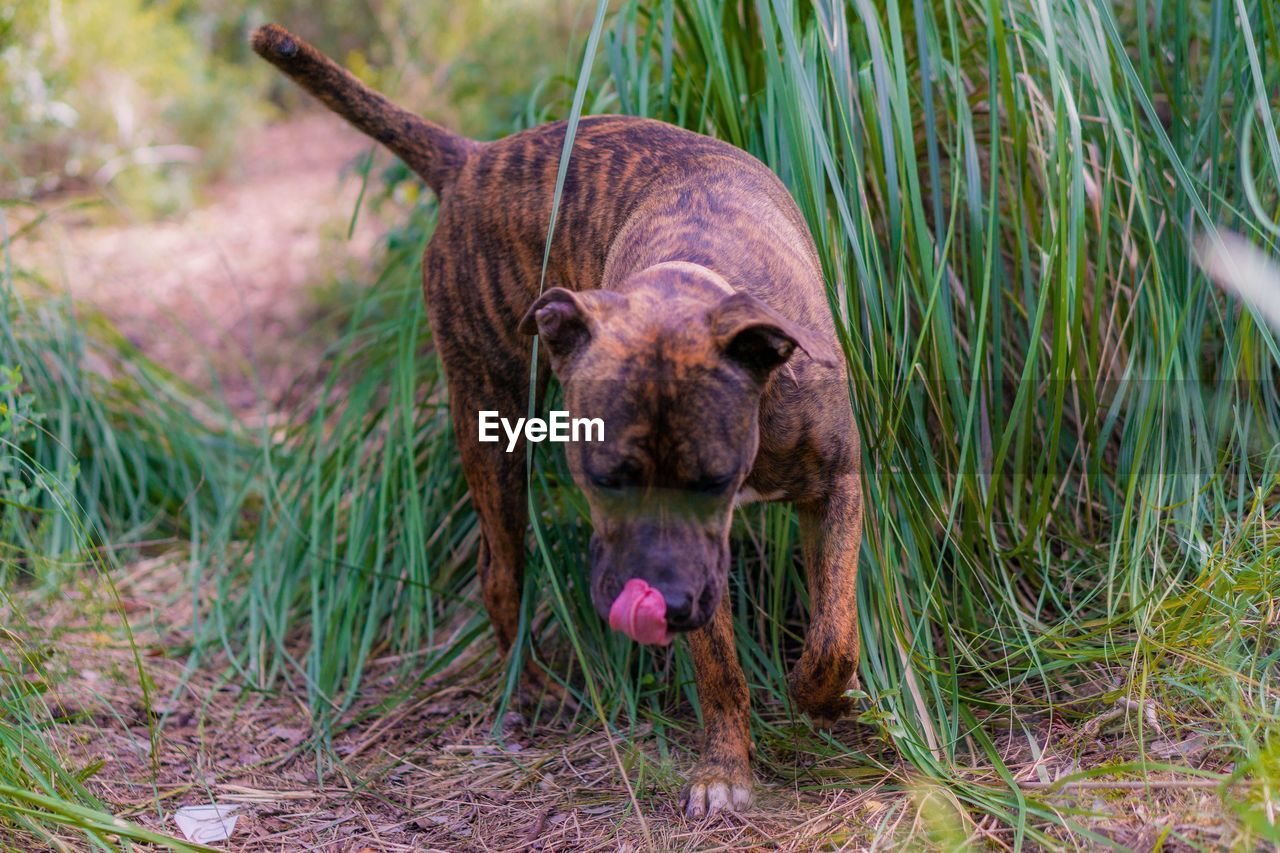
{"x":705,"y":799}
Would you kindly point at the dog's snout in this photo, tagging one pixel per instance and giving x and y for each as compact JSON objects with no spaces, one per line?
{"x":690,"y":603}
{"x":683,"y":567}
{"x":679,"y":608}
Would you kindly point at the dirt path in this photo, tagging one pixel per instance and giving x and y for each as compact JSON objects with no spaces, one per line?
{"x":230,"y":285}
{"x":425,"y":774}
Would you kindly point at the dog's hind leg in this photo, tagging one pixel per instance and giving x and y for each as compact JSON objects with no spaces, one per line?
{"x":722,"y":777}
{"x":487,"y":369}
{"x":499,"y":495}
{"x":830,"y":533}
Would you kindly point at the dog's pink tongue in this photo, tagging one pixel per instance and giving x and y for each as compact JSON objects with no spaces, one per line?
{"x":640,"y":612}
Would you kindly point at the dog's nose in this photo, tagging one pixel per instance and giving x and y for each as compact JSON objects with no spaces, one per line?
{"x":679,"y":608}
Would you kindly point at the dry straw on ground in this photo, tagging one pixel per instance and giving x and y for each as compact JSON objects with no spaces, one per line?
{"x":431,"y":774}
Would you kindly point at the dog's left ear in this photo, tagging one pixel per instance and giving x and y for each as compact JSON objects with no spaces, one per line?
{"x":758,"y":337}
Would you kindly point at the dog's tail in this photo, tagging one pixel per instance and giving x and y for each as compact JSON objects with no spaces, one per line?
{"x":432,"y":151}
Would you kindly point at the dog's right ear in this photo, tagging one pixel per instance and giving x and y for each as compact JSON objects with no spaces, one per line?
{"x":563,"y":322}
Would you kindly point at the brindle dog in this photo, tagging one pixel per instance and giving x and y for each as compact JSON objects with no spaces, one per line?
{"x":689,"y":313}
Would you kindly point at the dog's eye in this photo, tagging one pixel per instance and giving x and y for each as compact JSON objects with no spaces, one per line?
{"x":621,"y":477}
{"x":607,"y":482}
{"x":714,"y":485}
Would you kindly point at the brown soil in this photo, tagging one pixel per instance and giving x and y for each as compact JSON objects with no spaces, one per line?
{"x":430,"y":775}
{"x":426,"y":775}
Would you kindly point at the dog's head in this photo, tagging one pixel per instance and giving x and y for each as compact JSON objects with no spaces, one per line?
{"x":675,"y":367}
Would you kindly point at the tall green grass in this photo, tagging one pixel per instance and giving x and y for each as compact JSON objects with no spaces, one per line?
{"x":104,"y":455}
{"x":352,"y":531}
{"x":1072,"y":441}
{"x":47,"y":535}
{"x":141,"y":455}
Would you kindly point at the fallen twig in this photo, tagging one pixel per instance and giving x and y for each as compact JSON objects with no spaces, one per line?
{"x":1123,"y":784}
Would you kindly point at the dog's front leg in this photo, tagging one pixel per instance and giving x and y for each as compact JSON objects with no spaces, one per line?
{"x":722,"y":777}
{"x":830,"y":533}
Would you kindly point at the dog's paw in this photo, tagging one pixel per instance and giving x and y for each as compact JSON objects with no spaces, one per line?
{"x":823,"y":692}
{"x":716,"y":787}
{"x":826,"y":714}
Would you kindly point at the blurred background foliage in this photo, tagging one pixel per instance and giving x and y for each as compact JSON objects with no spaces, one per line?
{"x":146,"y":101}
{"x":118,"y":95}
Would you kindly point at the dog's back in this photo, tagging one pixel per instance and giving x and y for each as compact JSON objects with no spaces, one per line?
{"x":504,"y":189}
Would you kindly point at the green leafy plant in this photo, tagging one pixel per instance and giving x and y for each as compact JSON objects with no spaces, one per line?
{"x":20,"y":488}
